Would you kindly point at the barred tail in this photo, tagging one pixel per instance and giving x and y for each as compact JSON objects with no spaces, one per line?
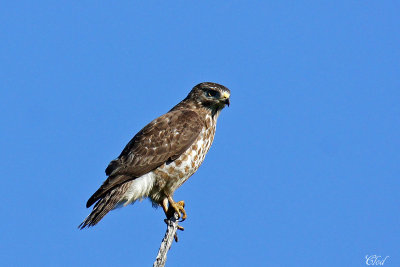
{"x":104,"y":205}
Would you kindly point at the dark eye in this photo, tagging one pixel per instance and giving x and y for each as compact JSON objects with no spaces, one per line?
{"x":212,"y":93}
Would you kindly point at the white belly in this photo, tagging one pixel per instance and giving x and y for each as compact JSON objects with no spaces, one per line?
{"x":139,"y":188}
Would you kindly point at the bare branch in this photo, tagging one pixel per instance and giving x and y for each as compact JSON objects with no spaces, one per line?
{"x":170,"y":234}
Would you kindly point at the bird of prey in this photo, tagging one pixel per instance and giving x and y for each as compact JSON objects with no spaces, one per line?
{"x":162,"y":156}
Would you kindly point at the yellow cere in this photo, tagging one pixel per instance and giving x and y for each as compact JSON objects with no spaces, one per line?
{"x":226,"y":95}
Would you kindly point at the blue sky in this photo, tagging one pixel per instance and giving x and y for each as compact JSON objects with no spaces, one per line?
{"x":304,"y":169}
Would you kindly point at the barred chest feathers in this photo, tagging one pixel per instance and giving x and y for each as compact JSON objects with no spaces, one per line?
{"x":171,"y":175}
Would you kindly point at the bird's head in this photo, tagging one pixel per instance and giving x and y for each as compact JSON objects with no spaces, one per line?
{"x":210,"y":95}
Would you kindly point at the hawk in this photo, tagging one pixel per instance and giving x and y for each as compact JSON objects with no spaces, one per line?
{"x":162,"y":156}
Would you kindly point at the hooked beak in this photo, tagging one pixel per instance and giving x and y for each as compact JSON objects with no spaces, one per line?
{"x":227,"y":102}
{"x":225,"y":98}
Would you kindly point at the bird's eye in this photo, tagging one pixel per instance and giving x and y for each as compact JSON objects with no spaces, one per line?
{"x":212,"y":93}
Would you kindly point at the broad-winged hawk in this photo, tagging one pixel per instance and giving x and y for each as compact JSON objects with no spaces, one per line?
{"x":162,"y":156}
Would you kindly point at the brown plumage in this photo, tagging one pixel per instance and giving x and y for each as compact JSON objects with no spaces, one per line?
{"x":163,"y":155}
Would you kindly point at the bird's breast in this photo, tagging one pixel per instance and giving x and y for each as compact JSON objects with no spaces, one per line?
{"x":170,"y":176}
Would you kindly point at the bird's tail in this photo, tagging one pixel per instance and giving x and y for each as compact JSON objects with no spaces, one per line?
{"x":103,"y":206}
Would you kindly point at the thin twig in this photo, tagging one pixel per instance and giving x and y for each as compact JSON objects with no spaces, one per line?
{"x":170,"y":234}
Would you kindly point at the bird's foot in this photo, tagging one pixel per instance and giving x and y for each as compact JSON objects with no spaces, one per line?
{"x":178,"y":207}
{"x":171,"y":209}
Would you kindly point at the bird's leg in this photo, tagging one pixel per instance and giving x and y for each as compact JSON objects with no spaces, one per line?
{"x":173,"y":207}
{"x":170,"y":213}
{"x":164,"y":205}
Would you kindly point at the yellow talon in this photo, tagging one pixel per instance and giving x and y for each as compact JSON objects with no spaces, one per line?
{"x":178,"y":207}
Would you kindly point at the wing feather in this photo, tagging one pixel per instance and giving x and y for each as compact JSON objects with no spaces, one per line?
{"x":164,"y":139}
